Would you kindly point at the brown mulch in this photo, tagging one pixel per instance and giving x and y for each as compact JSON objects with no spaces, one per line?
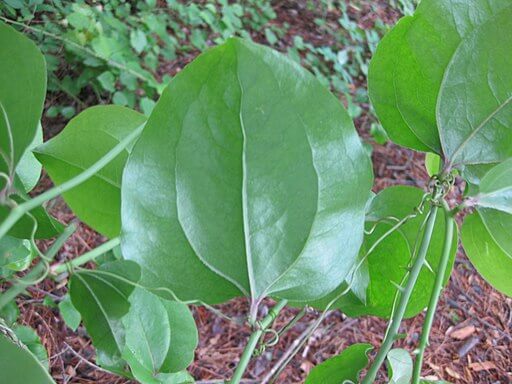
{"x":471,"y":340}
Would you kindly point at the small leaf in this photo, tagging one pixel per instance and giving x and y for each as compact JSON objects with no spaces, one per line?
{"x":495,"y":190}
{"x":107,"y":81}
{"x":148,"y":332}
{"x":343,"y":368}
{"x":432,"y":163}
{"x":399,"y":366}
{"x":86,"y":139}
{"x":31,"y":340}
{"x":69,"y":313}
{"x":489,"y":259}
{"x":10,"y":312}
{"x":101,"y":297}
{"x":138,"y":40}
{"x":29,"y":169}
{"x":19,"y":366}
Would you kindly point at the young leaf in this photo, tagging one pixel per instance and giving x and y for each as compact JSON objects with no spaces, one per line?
{"x":15,"y":254}
{"x":495,"y":190}
{"x":86,"y":139}
{"x":261,"y":136}
{"x":432,"y":163}
{"x":69,"y":313}
{"x":19,"y":366}
{"x":343,"y":368}
{"x":47,"y":226}
{"x":399,"y":366}
{"x":101,"y":297}
{"x":29,"y":169}
{"x":184,"y":337}
{"x":490,"y":260}
{"x":148,"y":332}
{"x":29,"y":338}
{"x":22,"y":93}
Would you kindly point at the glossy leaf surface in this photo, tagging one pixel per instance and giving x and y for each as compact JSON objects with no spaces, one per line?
{"x":386,"y":264}
{"x":87,"y":138}
{"x":489,"y":259}
{"x":249,"y":178}
{"x":343,"y":368}
{"x":102,"y":300}
{"x":19,"y":366}
{"x":22,"y":93}
{"x":486,"y":234}
{"x":417,"y":79}
{"x":148,"y":334}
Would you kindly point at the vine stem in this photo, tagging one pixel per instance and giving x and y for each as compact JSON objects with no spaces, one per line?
{"x":18,"y":212}
{"x":436,"y":291}
{"x":253,"y":341}
{"x":405,"y":295}
{"x":39,"y":270}
{"x":86,"y":257}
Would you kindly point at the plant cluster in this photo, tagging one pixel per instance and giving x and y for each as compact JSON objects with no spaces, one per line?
{"x":113,"y":50}
{"x":248,"y":180}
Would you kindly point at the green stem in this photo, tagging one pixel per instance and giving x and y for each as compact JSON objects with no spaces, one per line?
{"x":436,"y":292}
{"x":27,"y":206}
{"x":253,"y":341}
{"x":86,"y":257}
{"x":405,"y":294}
{"x":35,"y":273}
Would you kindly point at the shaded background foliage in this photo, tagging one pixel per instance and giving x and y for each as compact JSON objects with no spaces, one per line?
{"x":124,"y":52}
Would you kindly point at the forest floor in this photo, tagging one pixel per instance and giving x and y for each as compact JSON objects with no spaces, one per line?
{"x":471,"y":340}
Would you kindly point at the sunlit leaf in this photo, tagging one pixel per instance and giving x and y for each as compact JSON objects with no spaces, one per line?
{"x":343,"y":368}
{"x":87,"y":138}
{"x":399,"y":366}
{"x":235,"y":185}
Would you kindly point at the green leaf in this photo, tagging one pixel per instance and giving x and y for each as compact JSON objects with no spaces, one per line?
{"x":19,"y":366}
{"x":432,"y":163}
{"x":86,"y":139}
{"x":101,"y":297}
{"x":418,"y":76}
{"x":138,"y":40}
{"x":10,"y":312}
{"x":184,"y":337}
{"x":107,"y":81}
{"x":495,"y":190}
{"x":147,"y":105}
{"x":490,"y":260}
{"x":148,"y":333}
{"x":399,"y":366}
{"x":475,"y":116}
{"x":31,"y":340}
{"x":29,"y":169}
{"x":22,"y":93}
{"x":69,"y":313}
{"x":343,"y":368}
{"x":262,"y":137}
{"x":47,"y":226}
{"x":386,"y":264}
{"x":15,"y":254}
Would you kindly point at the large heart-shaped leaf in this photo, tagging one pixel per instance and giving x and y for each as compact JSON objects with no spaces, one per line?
{"x":248,"y":178}
{"x":22,"y":93}
{"x":343,"y":368}
{"x":19,"y":366}
{"x":101,"y":297}
{"x":418,"y":80}
{"x":486,"y":236}
{"x":87,"y":138}
{"x":387,"y":257}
